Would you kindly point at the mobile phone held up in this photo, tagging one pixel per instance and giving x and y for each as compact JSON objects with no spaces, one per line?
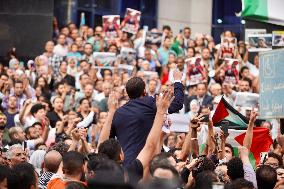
{"x":205,"y":118}
{"x":225,"y":126}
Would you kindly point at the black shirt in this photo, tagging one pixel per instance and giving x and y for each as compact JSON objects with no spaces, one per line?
{"x":53,"y":118}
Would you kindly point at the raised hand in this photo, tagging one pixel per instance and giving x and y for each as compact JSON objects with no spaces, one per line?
{"x":252,"y":119}
{"x":243,"y":151}
{"x":195,"y":121}
{"x":112,"y":101}
{"x":75,"y":134}
{"x":163,"y":102}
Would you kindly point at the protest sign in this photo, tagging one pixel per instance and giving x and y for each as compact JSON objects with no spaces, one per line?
{"x":180,"y":122}
{"x":104,"y":58}
{"x":154,"y":38}
{"x":253,"y":32}
{"x":131,"y":21}
{"x":271,"y":84}
{"x":127,"y":54}
{"x":278,"y":38}
{"x":246,"y":100}
{"x":111,"y":26}
{"x":260,"y":42}
{"x":195,"y":70}
{"x":231,"y":71}
{"x":228,"y":47}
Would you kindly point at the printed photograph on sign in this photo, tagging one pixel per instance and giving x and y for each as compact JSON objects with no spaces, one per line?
{"x":228,"y":47}
{"x":131,"y":21}
{"x":253,"y":32}
{"x":231,"y":71}
{"x":153,"y":38}
{"x":196,"y":71}
{"x":111,"y":24}
{"x":278,"y":38}
{"x":260,"y":42}
{"x":128,"y":55}
{"x":104,"y":58}
{"x":247,"y":100}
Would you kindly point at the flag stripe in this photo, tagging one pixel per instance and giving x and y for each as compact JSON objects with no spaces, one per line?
{"x":255,"y":9}
{"x":263,"y":10}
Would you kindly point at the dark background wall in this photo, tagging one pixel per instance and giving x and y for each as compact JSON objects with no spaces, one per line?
{"x":26,"y":25}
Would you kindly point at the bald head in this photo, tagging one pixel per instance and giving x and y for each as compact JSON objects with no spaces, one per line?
{"x":52,"y":160}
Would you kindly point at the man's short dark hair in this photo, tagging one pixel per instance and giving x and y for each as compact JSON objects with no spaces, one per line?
{"x":107,"y":173}
{"x":276,"y":156}
{"x":72,"y":162}
{"x":158,"y":160}
{"x":23,"y":177}
{"x":266,"y":177}
{"x":205,"y":179}
{"x":75,"y":185}
{"x":56,"y":85}
{"x":205,"y":164}
{"x":4,"y":74}
{"x":135,"y":87}
{"x":240,"y":183}
{"x":243,"y":69}
{"x":95,"y":160}
{"x":18,"y":81}
{"x":235,"y":168}
{"x":60,"y":147}
{"x":167,"y":27}
{"x":248,"y":80}
{"x":111,"y":148}
{"x":27,"y":130}
{"x":35,"y":108}
{"x":187,"y":28}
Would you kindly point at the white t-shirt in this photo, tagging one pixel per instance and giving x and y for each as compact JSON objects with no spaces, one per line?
{"x":60,"y":50}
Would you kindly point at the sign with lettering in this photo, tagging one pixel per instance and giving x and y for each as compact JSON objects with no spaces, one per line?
{"x":271,"y":97}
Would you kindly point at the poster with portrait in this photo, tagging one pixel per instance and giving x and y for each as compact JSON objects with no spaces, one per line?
{"x":260,"y":42}
{"x":111,"y":24}
{"x":131,"y":21}
{"x":196,"y":71}
{"x":104,"y":58}
{"x":231,"y":71}
{"x":278,"y":38}
{"x":153,"y":38}
{"x":228,"y":47}
{"x":247,"y":100}
{"x":128,"y":55}
{"x":252,"y":31}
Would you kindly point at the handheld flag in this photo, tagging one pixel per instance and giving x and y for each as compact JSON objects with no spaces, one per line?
{"x":225,"y":111}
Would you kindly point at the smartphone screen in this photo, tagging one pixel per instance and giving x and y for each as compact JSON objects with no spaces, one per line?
{"x":205,"y":118}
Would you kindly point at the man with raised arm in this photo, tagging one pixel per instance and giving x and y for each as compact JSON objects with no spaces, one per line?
{"x":133,"y":121}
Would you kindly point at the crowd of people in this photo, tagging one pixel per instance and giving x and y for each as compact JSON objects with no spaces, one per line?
{"x":69,"y":120}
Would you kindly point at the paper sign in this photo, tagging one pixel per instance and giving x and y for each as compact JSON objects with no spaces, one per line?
{"x":131,"y":21}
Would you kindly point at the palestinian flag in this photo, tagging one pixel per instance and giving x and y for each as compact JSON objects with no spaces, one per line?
{"x":261,"y":141}
{"x":264,"y":11}
{"x":225,"y":111}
